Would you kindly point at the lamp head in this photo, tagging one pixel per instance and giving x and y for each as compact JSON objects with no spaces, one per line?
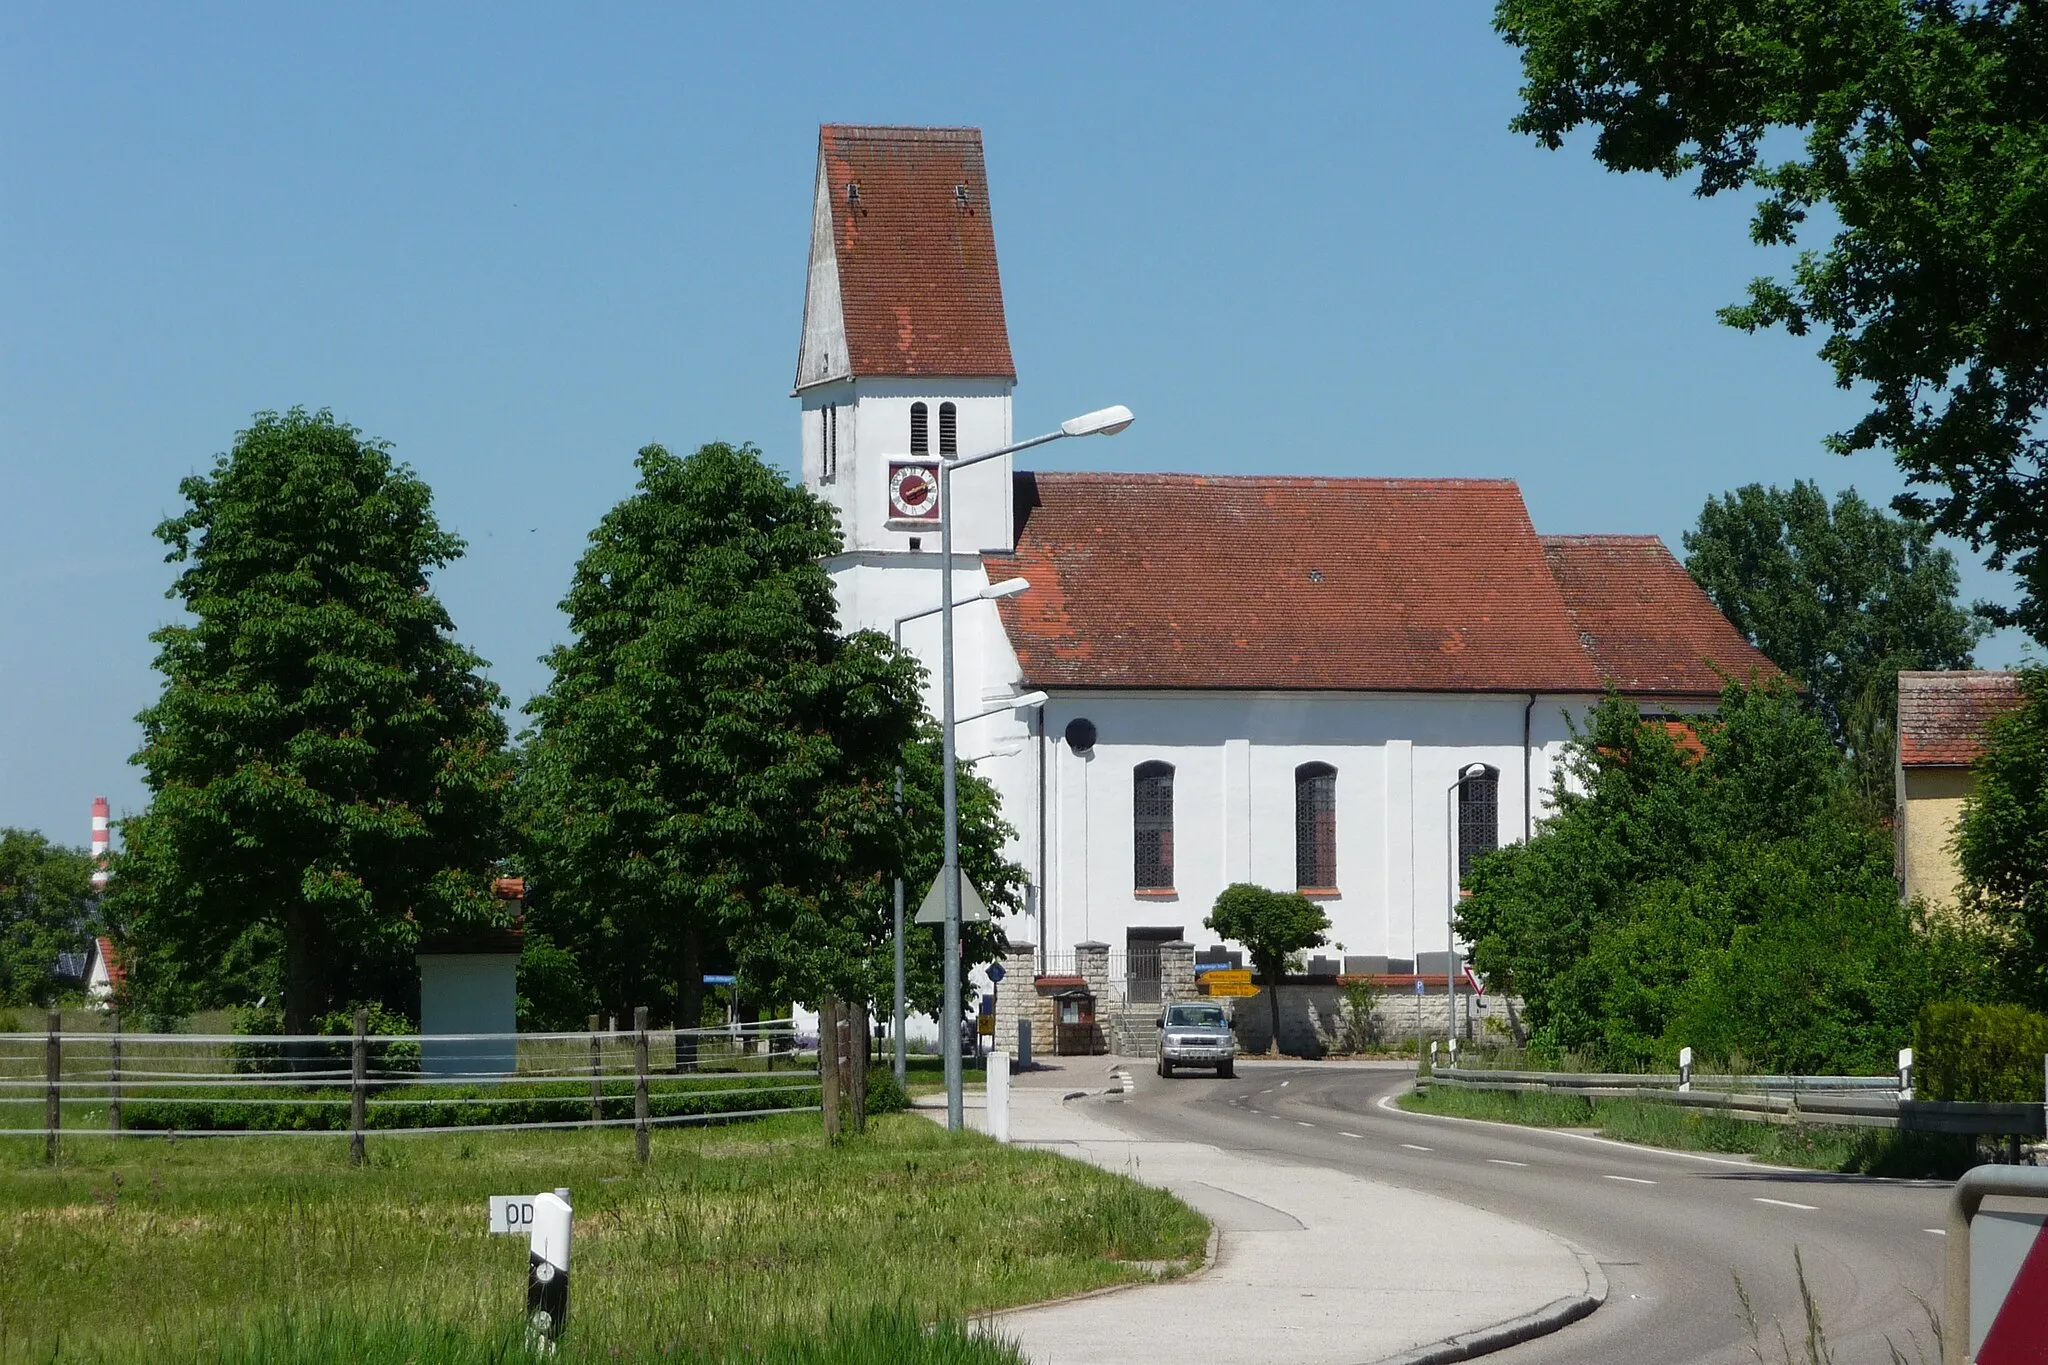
{"x":1025,"y":701}
{"x":1102,"y":422}
{"x":1470,"y":771}
{"x":1009,"y":587}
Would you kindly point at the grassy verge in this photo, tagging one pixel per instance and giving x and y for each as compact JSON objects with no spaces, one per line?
{"x":1869,"y":1151}
{"x":749,"y":1242}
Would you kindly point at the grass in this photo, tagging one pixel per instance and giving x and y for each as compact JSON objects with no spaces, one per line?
{"x":751,"y":1242}
{"x":1868,"y":1151}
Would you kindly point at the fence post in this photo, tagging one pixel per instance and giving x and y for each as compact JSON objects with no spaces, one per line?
{"x":857,"y":1043}
{"x":828,"y":1064}
{"x":114,"y":1070}
{"x":358,"y":1058}
{"x":640,"y":1083}
{"x":53,"y":1078}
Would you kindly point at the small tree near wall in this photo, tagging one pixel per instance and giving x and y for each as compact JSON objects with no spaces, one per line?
{"x":1271,"y":925}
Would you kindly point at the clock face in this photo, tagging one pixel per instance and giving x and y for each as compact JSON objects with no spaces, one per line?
{"x":913,"y":492}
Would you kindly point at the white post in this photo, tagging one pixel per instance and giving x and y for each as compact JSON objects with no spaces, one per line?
{"x":1454,"y":1051}
{"x":999,"y":1095}
{"x":547,"y":1271}
{"x":1685,"y":1068}
{"x":1906,"y":1073}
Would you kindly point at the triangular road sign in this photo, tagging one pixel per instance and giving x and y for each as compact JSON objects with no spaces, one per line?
{"x":2022,"y":1322}
{"x":973,"y":910}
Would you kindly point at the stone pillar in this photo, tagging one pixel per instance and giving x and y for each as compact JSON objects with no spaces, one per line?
{"x":1091,"y":964}
{"x":1015,"y":995}
{"x":1176,"y":972}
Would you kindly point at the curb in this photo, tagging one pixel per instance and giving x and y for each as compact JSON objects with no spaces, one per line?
{"x":1501,"y":1335}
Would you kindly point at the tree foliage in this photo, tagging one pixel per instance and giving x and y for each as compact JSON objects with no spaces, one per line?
{"x":1734,"y":899}
{"x":1272,"y":925}
{"x":2002,"y":838}
{"x":326,"y":761}
{"x":1921,"y":126}
{"x":46,"y":908}
{"x":1839,"y":597}
{"x":711,"y":777}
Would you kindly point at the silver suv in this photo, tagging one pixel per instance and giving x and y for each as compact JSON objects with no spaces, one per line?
{"x":1196,"y":1035}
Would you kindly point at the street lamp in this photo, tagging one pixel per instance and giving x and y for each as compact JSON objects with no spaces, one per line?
{"x":1008,"y":587}
{"x":1468,"y":773}
{"x":1101,"y":422}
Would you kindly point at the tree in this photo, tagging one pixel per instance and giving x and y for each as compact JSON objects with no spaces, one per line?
{"x":1271,"y":925}
{"x":1921,"y":127}
{"x":2002,"y":838}
{"x":46,"y":908}
{"x":1841,"y":598}
{"x":326,"y":761}
{"x":1729,"y":896}
{"x":711,"y":778}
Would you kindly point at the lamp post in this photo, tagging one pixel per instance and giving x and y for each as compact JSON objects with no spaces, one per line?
{"x":1102,"y":422}
{"x":1466,"y":774}
{"x":1009,"y":587}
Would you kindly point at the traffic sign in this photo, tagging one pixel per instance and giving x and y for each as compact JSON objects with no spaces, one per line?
{"x":1231,"y":988}
{"x":2008,"y":1287}
{"x":1418,"y":985}
{"x":512,"y":1213}
{"x":1234,"y":976}
{"x":973,"y":909}
{"x":996,"y":972}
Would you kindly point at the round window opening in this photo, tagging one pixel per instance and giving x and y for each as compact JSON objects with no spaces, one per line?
{"x":1080,"y":734}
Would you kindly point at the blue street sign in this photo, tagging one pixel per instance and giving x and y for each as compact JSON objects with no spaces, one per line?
{"x":711,"y":980}
{"x":996,"y":972}
{"x":1418,"y":985}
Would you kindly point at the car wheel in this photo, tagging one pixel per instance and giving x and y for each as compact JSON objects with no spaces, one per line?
{"x":1165,"y":1068}
{"x":1227,"y":1072}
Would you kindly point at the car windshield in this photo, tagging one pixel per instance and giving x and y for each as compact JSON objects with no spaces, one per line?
{"x":1195,"y":1016}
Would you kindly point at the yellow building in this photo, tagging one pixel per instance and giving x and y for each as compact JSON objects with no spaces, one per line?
{"x":1942,"y":718}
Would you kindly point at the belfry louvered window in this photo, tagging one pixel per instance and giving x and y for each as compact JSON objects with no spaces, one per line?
{"x":1315,"y":827}
{"x":1478,"y":820}
{"x":1152,"y":826}
{"x":949,"y":429}
{"x":830,"y":416}
{"x":920,"y":430}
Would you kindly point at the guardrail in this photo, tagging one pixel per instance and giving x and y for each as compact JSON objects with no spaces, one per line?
{"x":127,"y":1085}
{"x":1847,"y":1101}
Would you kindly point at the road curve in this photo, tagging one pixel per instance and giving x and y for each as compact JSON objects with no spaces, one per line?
{"x":1671,"y":1230}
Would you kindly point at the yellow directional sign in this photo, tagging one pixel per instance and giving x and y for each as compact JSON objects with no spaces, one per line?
{"x":1239,"y":988}
{"x":1233,"y":976}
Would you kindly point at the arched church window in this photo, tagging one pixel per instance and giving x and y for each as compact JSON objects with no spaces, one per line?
{"x":920,"y":430}
{"x":1478,"y":820}
{"x":1315,"y":827}
{"x":1152,"y":826}
{"x":949,"y":429}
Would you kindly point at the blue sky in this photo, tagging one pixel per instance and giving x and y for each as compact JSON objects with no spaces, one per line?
{"x":520,"y":242}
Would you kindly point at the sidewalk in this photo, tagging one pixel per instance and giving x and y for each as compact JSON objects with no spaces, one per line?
{"x":1313,"y":1267}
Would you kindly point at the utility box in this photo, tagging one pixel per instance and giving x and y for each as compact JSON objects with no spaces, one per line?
{"x":469,"y":984}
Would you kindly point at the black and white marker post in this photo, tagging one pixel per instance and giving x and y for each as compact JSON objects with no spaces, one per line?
{"x":547,"y":1268}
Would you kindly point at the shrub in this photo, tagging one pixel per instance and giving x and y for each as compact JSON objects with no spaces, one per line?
{"x":885,"y":1094}
{"x":1988,"y":1053}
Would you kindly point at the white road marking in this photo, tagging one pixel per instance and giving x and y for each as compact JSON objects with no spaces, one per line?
{"x":1359,"y":1136}
{"x":1414,"y":1148}
{"x":1387,"y":1105}
{"x":1784,"y":1203}
{"x":1267,"y":1091}
{"x":1305,"y":1123}
{"x":1285,"y":1083}
{"x":1938,"y":1232}
{"x":1497,"y":1161}
{"x":1631,"y":1179}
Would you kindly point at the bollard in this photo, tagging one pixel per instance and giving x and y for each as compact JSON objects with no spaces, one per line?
{"x":1906,"y":1073}
{"x":547,"y":1271}
{"x":639,"y":1089}
{"x":356,"y":1065}
{"x":999,"y":1095}
{"x":114,"y":1070}
{"x":1432,"y":1054}
{"x":53,"y":1082}
{"x":1685,"y":1069}
{"x":1454,"y":1051}
{"x":1023,"y":1044}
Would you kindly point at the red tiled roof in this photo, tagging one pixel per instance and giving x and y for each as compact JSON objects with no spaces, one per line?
{"x":1942,"y":716}
{"x":1647,"y":626}
{"x":918,"y":284}
{"x":1186,"y":581}
{"x":116,"y":973}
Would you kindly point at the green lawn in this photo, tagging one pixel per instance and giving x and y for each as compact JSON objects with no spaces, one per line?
{"x":750,"y":1241}
{"x":1871,"y":1151}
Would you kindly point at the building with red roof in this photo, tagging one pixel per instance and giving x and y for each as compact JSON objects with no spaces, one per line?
{"x":1262,"y":678}
{"x":1943,"y":717}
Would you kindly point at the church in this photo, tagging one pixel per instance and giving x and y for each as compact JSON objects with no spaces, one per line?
{"x":1255,"y":678}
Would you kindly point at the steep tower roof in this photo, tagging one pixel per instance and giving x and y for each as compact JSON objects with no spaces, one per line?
{"x":903,"y":277}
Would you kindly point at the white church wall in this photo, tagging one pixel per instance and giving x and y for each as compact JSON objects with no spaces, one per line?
{"x":873,"y":416}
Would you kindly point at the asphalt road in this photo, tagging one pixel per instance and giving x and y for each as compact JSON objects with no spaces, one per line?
{"x":1672,"y":1231}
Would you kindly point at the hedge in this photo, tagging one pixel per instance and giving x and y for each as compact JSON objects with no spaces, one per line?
{"x":1986,"y":1053}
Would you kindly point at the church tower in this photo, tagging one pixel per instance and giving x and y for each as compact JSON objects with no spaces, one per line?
{"x":905,"y":357}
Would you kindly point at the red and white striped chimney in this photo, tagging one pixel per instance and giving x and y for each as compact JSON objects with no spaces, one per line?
{"x":100,"y":839}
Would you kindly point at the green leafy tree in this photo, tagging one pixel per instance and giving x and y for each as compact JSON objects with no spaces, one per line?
{"x":326,"y":761}
{"x":1839,"y":597}
{"x":1272,"y":925}
{"x":2002,"y":838}
{"x":1921,"y":129}
{"x":46,"y":908}
{"x":711,"y":779}
{"x":1737,"y":900}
